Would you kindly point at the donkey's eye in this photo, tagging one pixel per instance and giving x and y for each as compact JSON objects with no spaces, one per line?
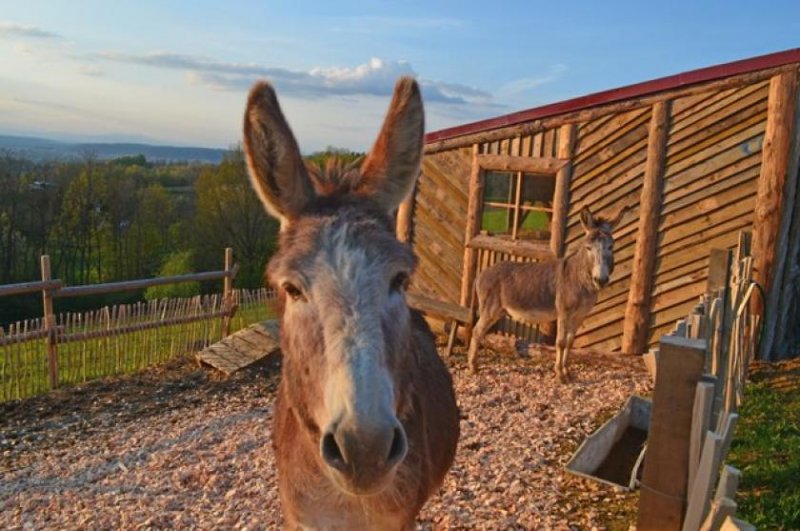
{"x":399,"y":282}
{"x":292,"y":291}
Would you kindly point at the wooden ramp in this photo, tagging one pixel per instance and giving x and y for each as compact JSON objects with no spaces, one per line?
{"x":243,"y":348}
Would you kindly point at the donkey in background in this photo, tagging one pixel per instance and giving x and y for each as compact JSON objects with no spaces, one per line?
{"x":562,"y":289}
{"x":366,"y":422}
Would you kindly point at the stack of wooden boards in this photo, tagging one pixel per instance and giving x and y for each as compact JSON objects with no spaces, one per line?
{"x":701,"y":368}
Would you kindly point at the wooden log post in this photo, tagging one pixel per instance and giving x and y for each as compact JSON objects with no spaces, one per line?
{"x":49,"y":324}
{"x":772,"y":194}
{"x":405,"y":217}
{"x":227,"y":293}
{"x":664,"y":481}
{"x":558,"y":226}
{"x":788,"y":245}
{"x":475,"y":185}
{"x":637,"y":314}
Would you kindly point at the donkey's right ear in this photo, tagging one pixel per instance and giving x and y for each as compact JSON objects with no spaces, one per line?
{"x":587,"y":219}
{"x":276,"y":168}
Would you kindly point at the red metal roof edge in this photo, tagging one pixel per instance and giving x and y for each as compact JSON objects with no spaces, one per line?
{"x":692,"y":77}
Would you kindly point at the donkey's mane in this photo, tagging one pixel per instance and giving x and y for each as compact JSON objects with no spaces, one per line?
{"x":337,"y":177}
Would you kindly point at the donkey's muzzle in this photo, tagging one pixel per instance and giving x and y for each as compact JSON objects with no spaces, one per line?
{"x":363,"y":460}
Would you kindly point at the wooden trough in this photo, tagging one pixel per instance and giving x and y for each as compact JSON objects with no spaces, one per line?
{"x":614,"y":453}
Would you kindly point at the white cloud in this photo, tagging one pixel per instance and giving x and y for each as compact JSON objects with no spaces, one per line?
{"x":527,"y":84}
{"x":375,"y":78}
{"x":8,"y":29}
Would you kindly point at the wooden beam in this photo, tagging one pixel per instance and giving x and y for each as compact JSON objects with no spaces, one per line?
{"x":776,"y":322}
{"x":771,"y":197}
{"x":132,"y":285}
{"x":700,"y":491}
{"x":29,"y":287}
{"x":546,"y":165}
{"x":539,"y":251}
{"x":531,"y":125}
{"x":637,"y":313}
{"x":664,"y":481}
{"x":475,"y":185}
{"x":558,"y":225}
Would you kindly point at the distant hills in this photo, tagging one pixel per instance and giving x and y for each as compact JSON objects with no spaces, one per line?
{"x":45,"y":149}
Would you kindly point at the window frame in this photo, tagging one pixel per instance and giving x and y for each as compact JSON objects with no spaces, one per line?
{"x":546,"y":166}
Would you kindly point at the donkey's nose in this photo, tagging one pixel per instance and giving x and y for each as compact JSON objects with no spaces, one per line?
{"x":601,"y":280}
{"x":364,"y":458}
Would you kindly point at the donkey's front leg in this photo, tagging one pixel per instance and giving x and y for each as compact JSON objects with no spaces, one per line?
{"x":485,"y":322}
{"x":564,"y":371}
{"x":561,"y":347}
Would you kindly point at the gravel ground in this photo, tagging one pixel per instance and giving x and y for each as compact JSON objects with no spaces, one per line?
{"x":178,"y":447}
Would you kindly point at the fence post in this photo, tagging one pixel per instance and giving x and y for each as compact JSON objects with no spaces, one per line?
{"x":665,"y":479}
{"x":227,"y":293}
{"x":49,"y":323}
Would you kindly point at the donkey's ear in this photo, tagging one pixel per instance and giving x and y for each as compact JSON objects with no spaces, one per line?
{"x":392,"y":165}
{"x":587,"y":219}
{"x":616,"y":219}
{"x":276,"y":168}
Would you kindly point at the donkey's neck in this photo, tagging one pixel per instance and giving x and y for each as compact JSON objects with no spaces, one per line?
{"x":578,"y":269}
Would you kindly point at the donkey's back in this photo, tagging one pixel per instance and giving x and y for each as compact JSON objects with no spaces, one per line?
{"x":525,"y":291}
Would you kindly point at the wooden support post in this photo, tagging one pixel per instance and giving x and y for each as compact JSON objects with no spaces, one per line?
{"x":227,"y":293}
{"x":700,"y":492}
{"x":720,"y":510}
{"x":701,"y":423}
{"x":786,"y":271}
{"x":637,"y":321}
{"x":728,"y":483}
{"x":473,"y":227}
{"x":664,"y":482}
{"x":772,"y":192}
{"x":405,"y":216}
{"x":49,"y":324}
{"x":558,"y":225}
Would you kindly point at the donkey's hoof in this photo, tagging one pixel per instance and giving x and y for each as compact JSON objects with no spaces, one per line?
{"x":473,"y":368}
{"x":563,"y":377}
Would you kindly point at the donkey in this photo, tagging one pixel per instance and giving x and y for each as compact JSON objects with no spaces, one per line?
{"x":563,"y":289}
{"x":366,"y":422}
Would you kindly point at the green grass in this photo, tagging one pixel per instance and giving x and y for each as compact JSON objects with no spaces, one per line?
{"x":24,"y":366}
{"x":495,"y":220}
{"x":766,"y":448}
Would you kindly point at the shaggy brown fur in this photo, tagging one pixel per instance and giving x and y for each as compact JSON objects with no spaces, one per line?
{"x":366,"y":423}
{"x":562,"y":290}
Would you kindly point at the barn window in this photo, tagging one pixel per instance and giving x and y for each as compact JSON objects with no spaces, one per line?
{"x":517,"y":205}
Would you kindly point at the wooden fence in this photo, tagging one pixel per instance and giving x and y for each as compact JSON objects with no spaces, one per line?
{"x":700,"y":370}
{"x":40,"y":354}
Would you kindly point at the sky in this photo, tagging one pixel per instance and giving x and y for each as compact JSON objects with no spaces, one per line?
{"x":178,"y":73}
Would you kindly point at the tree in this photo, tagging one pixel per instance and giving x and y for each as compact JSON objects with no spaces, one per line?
{"x":179,"y":263}
{"x":229,"y":214}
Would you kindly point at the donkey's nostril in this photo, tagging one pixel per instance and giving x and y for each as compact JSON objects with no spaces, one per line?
{"x":331,"y":452}
{"x":398,"y":449}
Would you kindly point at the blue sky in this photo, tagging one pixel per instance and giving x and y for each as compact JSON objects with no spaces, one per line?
{"x":178,"y":72}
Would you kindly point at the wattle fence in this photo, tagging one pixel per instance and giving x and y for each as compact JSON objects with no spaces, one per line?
{"x":37,"y":355}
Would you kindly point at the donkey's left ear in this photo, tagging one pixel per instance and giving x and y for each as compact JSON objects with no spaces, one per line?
{"x":616,"y":219}
{"x":391,"y":168}
{"x":587,"y":219}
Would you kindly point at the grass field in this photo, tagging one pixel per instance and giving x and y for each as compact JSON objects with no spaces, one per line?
{"x":766,"y":448}
{"x":495,"y":220}
{"x":24,"y":366}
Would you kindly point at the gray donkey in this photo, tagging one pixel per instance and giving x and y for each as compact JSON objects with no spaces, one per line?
{"x":563,"y":289}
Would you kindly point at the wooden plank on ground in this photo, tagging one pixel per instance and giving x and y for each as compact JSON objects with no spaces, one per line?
{"x":243,"y":348}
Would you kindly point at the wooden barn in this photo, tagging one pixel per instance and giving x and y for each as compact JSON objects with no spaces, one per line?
{"x":699,"y":157}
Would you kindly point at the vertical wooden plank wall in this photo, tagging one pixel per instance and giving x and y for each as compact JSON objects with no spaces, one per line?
{"x":608,"y":171}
